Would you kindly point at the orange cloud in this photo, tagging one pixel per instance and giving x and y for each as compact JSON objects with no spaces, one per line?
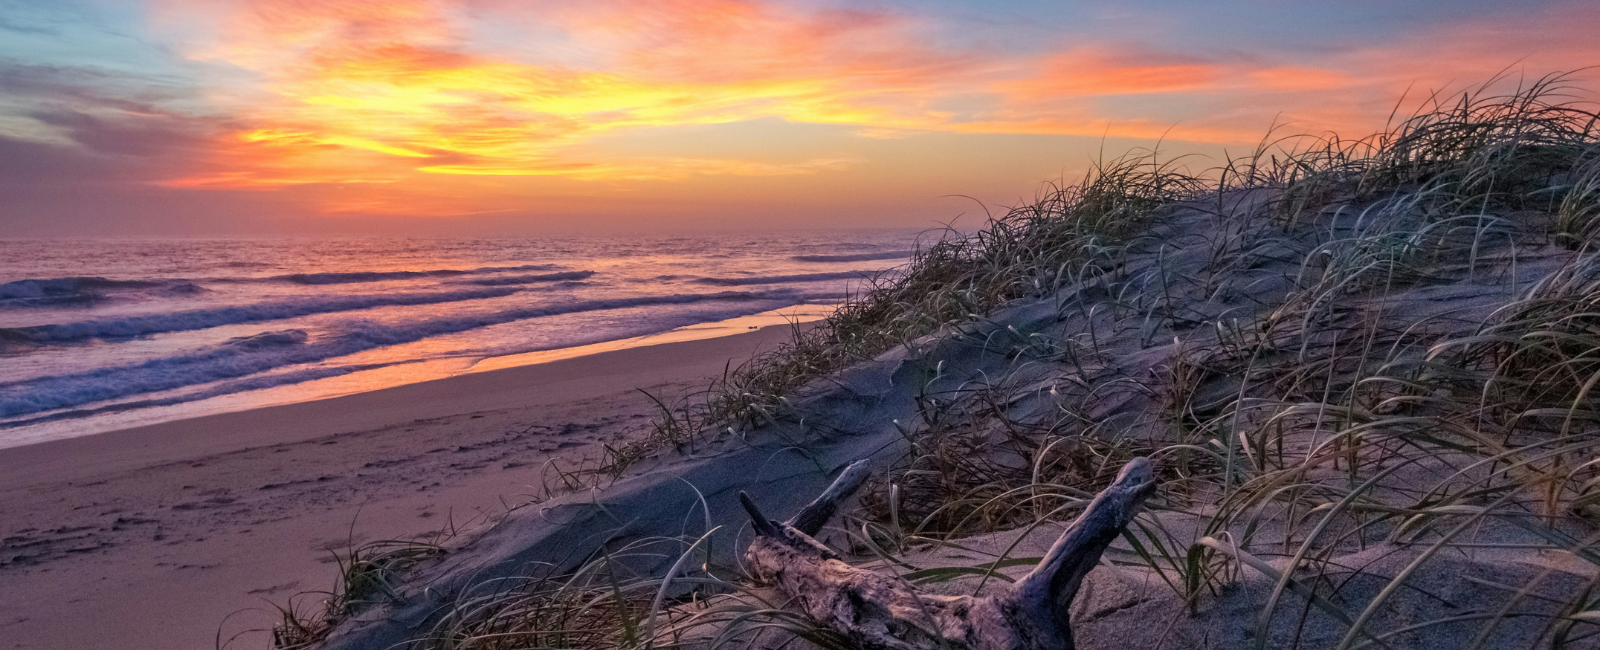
{"x":395,"y":79}
{"x":409,"y":97}
{"x":1094,"y":71}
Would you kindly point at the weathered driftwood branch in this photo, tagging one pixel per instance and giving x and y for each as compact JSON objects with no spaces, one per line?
{"x":882,"y":612}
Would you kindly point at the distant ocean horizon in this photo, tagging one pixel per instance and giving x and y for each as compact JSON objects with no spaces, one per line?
{"x":98,"y":335}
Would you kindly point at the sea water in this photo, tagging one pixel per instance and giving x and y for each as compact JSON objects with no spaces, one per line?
{"x":97,"y":335}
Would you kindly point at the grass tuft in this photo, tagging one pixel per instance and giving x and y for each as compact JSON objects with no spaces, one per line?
{"x":369,"y":574}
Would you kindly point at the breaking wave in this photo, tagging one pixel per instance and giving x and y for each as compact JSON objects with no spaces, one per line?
{"x":196,"y":319}
{"x":529,"y":279}
{"x":272,"y":350}
{"x":858,"y":257}
{"x":66,"y":286}
{"x":54,"y":292}
{"x":379,"y":276}
{"x":776,"y":279}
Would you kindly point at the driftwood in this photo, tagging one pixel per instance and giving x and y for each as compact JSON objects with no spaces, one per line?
{"x":882,"y":612}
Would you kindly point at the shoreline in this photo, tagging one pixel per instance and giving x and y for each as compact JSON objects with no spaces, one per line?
{"x":398,"y":375}
{"x":159,"y":533}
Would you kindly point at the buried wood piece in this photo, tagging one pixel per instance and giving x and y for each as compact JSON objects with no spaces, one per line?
{"x":882,"y":612}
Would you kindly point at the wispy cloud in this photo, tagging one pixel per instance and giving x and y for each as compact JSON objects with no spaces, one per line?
{"x":466,"y":106}
{"x":400,"y":79}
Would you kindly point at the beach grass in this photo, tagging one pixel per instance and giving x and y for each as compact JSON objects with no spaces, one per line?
{"x":1350,"y":413}
{"x":1387,"y":343}
{"x":369,"y":574}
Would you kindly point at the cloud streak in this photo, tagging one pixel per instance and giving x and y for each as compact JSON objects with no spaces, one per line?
{"x":472,"y":106}
{"x":399,"y":81}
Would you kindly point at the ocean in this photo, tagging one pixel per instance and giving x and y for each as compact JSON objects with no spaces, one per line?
{"x":98,"y":335}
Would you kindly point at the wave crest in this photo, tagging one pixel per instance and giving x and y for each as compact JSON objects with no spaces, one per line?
{"x":272,"y":350}
{"x":530,"y":279}
{"x":858,"y":257}
{"x":196,"y":319}
{"x":380,"y":276}
{"x":777,"y":279}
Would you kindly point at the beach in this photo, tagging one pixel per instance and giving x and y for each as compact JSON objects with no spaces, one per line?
{"x":781,"y":325}
{"x":106,"y":335}
{"x":183,"y":534}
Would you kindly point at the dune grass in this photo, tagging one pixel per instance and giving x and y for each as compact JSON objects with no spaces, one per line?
{"x":1345,"y":415}
{"x":1067,"y":232}
{"x":1391,"y":342}
{"x":369,"y":574}
{"x":1350,"y":412}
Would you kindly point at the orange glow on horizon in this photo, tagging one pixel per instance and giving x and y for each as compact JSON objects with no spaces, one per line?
{"x":397,"y":105}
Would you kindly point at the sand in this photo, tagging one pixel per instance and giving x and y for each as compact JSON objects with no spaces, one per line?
{"x":182,"y":535}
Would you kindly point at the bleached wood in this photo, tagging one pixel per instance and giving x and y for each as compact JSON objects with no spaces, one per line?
{"x":882,"y":612}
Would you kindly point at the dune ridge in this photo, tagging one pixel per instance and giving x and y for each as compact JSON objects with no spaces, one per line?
{"x":1364,"y":369}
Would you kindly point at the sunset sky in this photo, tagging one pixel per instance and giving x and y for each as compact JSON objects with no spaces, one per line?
{"x":216,"y":117}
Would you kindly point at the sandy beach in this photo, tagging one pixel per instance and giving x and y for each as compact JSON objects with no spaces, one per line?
{"x":790,"y":324}
{"x":182,"y":535}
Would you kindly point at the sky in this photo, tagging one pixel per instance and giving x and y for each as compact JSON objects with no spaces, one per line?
{"x":524,"y":117}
